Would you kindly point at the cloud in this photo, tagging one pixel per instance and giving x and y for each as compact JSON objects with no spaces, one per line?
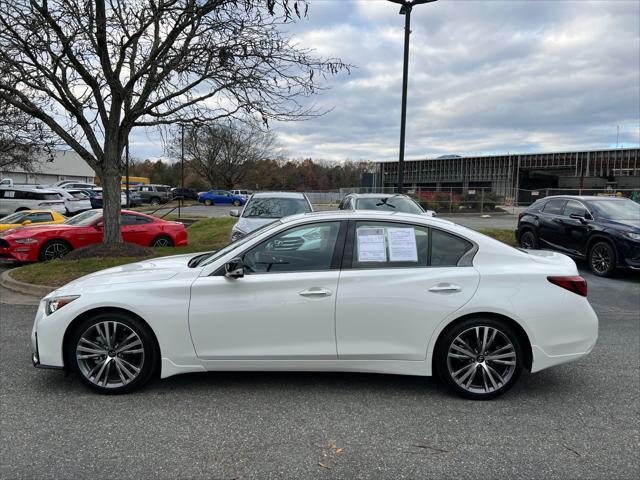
{"x":484,"y":77}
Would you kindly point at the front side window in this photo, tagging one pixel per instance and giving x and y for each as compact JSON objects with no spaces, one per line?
{"x":573,"y":206}
{"x":384,"y":245}
{"x":39,"y":217}
{"x":85,"y":218}
{"x":299,"y":249}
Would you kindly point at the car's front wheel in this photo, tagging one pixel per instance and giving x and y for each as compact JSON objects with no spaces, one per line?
{"x":602,"y":259}
{"x":53,"y":249}
{"x":236,"y":203}
{"x":479,"y":358}
{"x":155,"y":201}
{"x":113,"y":352}
{"x":208,"y":202}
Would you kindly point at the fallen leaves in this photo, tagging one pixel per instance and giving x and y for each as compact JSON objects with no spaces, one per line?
{"x":322,"y":465}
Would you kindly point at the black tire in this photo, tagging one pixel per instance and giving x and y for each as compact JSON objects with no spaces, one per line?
{"x":154,"y":201}
{"x":122,"y":325}
{"x":602,"y":259}
{"x":208,"y":202}
{"x":53,"y":249}
{"x":488,"y":378}
{"x":162,"y":241}
{"x":529,"y":240}
{"x":236,"y":203}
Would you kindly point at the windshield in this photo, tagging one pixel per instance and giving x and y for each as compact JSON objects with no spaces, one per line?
{"x":226,"y":249}
{"x":14,"y":218}
{"x":389,"y":204}
{"x":85,"y":218}
{"x":617,"y":209}
{"x":264,"y":207}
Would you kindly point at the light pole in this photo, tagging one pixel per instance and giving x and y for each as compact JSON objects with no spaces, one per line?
{"x":405,"y":9}
{"x":127,"y":203}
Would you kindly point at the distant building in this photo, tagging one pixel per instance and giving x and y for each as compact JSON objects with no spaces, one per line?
{"x":66,"y":165}
{"x":503,"y":174}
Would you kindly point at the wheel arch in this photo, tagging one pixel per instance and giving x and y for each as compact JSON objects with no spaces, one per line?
{"x":56,"y":239}
{"x":600,"y":236}
{"x":517,"y":328}
{"x":94,"y":311}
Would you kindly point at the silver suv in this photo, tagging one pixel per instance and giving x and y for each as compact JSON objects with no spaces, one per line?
{"x":154,"y":194}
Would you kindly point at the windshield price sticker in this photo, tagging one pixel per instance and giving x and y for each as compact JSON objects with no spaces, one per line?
{"x":371,"y":247}
{"x":402,"y":245}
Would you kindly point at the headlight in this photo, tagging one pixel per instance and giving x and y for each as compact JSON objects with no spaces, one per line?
{"x":57,"y":303}
{"x":26,"y":241}
{"x":632,"y":235}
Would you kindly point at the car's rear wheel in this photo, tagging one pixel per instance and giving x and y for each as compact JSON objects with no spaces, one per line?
{"x":236,"y":203}
{"x":155,"y":201}
{"x":113,"y":352}
{"x":602,"y":259}
{"x":54,"y":249}
{"x":479,"y":358}
{"x":528,"y":239}
{"x":162,"y":241}
{"x":208,"y":202}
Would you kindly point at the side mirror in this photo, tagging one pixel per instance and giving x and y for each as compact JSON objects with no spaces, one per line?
{"x":26,"y":222}
{"x":99,"y":226}
{"x":234,"y":268}
{"x":577,"y":216}
{"x":234,"y":213}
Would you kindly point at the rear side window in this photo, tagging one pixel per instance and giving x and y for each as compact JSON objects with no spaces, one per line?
{"x":128,"y":219}
{"x":39,"y":217}
{"x":447,"y":249}
{"x":390,"y":245}
{"x":554,"y":206}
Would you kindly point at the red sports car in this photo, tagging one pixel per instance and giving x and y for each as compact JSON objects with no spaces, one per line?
{"x":46,"y":242}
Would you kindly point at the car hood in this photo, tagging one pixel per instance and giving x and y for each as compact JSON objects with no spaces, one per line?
{"x":153,"y":270}
{"x":249,"y":224}
{"x":626,"y":224}
{"x":30,"y":230}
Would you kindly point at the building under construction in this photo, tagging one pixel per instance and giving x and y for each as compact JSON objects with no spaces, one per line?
{"x":506,"y":174}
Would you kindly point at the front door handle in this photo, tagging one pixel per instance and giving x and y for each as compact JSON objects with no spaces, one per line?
{"x":445,"y":288}
{"x":315,"y":292}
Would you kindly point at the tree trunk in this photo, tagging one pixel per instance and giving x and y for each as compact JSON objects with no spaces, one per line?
{"x":111,"y":202}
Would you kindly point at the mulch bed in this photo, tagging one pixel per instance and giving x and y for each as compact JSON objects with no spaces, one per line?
{"x":101,"y":250}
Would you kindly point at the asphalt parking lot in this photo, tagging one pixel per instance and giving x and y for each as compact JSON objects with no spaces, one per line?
{"x":579,"y":420}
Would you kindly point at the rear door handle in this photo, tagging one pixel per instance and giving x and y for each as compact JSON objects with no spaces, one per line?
{"x":315,"y":292}
{"x":445,"y":288}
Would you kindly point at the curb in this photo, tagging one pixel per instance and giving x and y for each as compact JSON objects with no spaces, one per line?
{"x":8,"y":282}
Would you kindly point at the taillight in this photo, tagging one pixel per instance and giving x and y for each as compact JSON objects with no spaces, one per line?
{"x":520,"y":215}
{"x":575,"y":284}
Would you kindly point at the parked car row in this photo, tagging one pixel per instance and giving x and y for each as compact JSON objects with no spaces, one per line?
{"x":54,"y":239}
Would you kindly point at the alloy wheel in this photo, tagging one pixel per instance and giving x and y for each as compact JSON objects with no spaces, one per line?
{"x":527,"y":240}
{"x":110,"y":354}
{"x":161,"y":242}
{"x":481,"y":360}
{"x":55,"y":250}
{"x":601,"y":259}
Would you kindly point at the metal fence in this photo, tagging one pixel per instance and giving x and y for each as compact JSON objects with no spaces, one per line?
{"x":451,"y":201}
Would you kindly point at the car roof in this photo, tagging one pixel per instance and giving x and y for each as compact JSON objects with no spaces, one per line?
{"x":377,"y":195}
{"x":279,"y":195}
{"x":584,"y":197}
{"x":368,"y":214}
{"x":35,"y":189}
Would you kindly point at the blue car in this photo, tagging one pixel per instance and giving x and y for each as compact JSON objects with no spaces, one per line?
{"x":221,"y":197}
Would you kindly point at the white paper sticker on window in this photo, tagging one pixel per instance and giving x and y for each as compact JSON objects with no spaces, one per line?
{"x":371,"y":246}
{"x":402,"y":245}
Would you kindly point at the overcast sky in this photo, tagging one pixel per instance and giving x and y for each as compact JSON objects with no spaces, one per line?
{"x":484,"y":77}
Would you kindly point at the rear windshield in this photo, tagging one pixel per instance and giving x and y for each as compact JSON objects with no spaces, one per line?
{"x":389,"y":204}
{"x":275,"y":207}
{"x":616,"y":209}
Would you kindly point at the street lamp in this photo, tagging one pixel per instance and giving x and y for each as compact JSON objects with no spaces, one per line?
{"x":405,"y":10}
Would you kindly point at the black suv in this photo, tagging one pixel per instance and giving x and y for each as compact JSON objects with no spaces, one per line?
{"x":184,"y":193}
{"x":603,"y":230}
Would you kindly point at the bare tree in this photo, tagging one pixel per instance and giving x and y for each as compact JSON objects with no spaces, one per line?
{"x":108,"y":66}
{"x":23,"y":140}
{"x":225,"y":153}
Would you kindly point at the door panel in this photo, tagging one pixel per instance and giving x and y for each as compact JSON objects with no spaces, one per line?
{"x":265,"y":316}
{"x":391,"y":313}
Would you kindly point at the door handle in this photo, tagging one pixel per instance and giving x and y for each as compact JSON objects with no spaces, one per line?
{"x":445,"y":287}
{"x":315,"y":292}
{"x":558,"y":220}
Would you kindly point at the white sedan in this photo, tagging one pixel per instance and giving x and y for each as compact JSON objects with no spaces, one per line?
{"x":355,"y":291}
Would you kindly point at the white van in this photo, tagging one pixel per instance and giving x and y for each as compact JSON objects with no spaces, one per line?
{"x":15,"y":199}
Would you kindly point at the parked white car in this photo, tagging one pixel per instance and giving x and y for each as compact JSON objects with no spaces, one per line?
{"x":383,"y":202}
{"x":75,"y":201}
{"x":73,"y":184}
{"x":266,"y":207}
{"x":326,"y":291}
{"x":17,"y":198}
{"x":241,"y":193}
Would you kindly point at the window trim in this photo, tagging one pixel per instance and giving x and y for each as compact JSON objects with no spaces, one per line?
{"x":338,"y":248}
{"x":586,"y":209}
{"x":561,"y":213}
{"x":465,"y":260}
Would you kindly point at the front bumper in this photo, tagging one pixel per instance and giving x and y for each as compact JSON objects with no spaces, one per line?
{"x":35,"y":355}
{"x":19,"y":252}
